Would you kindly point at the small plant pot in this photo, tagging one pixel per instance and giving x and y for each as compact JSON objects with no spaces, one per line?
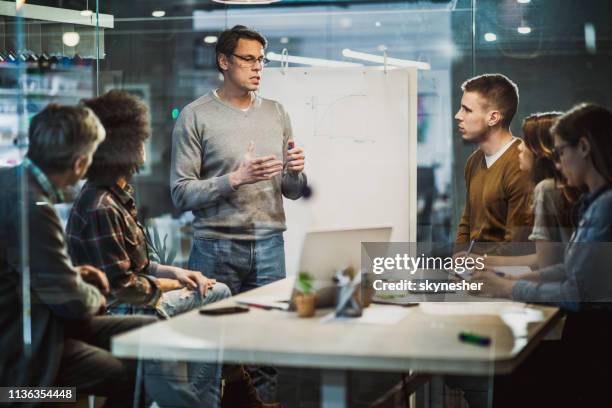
{"x":305,"y":304}
{"x":367,"y":293}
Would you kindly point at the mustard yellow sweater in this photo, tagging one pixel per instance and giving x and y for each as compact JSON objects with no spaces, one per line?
{"x":498,"y":200}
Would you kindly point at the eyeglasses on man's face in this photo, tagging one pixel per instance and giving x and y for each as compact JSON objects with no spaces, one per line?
{"x":250,"y":61}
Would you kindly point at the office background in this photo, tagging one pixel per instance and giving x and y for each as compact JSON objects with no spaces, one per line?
{"x":558,"y":52}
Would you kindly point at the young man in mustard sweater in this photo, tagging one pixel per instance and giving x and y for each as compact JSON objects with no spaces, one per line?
{"x":497,"y":205}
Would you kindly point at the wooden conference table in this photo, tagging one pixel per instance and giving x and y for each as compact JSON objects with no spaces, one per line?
{"x":388,"y":338}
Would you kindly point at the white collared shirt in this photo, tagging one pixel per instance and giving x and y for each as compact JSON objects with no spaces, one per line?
{"x":493,"y":158}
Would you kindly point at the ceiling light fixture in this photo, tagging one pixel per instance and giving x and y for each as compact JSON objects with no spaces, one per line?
{"x":210,"y":39}
{"x":71,"y":38}
{"x":524,"y":29}
{"x":524,"y":1}
{"x":158,"y":13}
{"x":490,"y":37}
{"x":396,"y":62}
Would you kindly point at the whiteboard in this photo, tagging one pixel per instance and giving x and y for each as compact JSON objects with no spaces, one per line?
{"x":358,"y":128}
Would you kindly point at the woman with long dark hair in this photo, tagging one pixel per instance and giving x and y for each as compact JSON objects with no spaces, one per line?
{"x":582,"y":284}
{"x":583,"y":145}
{"x":552,"y":198}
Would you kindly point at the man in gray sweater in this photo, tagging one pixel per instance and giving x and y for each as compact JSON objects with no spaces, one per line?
{"x":233,"y":160}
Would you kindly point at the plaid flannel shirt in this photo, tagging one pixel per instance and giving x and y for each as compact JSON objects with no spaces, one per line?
{"x":103,"y":231}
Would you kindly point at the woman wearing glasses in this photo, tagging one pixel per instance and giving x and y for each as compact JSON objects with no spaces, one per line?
{"x":582,"y":284}
{"x":553,"y":223}
{"x":583,"y":143}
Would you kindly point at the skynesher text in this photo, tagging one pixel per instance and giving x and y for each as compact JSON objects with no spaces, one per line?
{"x":427,"y":286}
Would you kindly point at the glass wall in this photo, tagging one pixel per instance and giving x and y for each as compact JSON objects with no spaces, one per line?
{"x":169,"y":61}
{"x":47,"y":55}
{"x":163,"y":52}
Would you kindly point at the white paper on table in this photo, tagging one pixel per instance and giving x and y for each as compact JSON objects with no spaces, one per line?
{"x":470,"y":308}
{"x":508,"y":270}
{"x":375,"y":314}
{"x":512,"y":270}
{"x":262,"y":300}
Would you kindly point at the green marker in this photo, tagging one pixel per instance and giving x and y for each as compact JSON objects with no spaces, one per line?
{"x":476,"y":339}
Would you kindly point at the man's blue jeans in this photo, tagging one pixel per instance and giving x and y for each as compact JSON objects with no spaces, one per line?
{"x":243,"y":265}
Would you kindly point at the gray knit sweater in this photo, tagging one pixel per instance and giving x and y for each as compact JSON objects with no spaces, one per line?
{"x":209,"y":141}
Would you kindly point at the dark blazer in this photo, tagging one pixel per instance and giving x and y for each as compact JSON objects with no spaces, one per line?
{"x":57,"y":291}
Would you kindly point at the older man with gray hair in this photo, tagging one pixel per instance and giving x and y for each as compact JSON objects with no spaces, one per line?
{"x":54,"y":339}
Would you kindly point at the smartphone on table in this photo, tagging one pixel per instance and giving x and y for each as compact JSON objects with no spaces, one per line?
{"x":218,"y":311}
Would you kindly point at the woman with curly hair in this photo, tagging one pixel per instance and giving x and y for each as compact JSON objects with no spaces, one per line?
{"x":103,"y":230}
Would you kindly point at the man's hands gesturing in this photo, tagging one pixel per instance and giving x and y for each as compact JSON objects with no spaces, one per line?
{"x":255,"y":169}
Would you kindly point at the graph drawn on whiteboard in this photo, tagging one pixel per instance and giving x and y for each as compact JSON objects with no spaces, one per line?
{"x":334,"y":118}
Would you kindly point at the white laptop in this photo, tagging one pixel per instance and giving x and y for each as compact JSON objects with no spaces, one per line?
{"x":326,"y":252}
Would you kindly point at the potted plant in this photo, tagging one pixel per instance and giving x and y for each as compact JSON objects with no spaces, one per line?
{"x":305,"y":300}
{"x":158,"y":250}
